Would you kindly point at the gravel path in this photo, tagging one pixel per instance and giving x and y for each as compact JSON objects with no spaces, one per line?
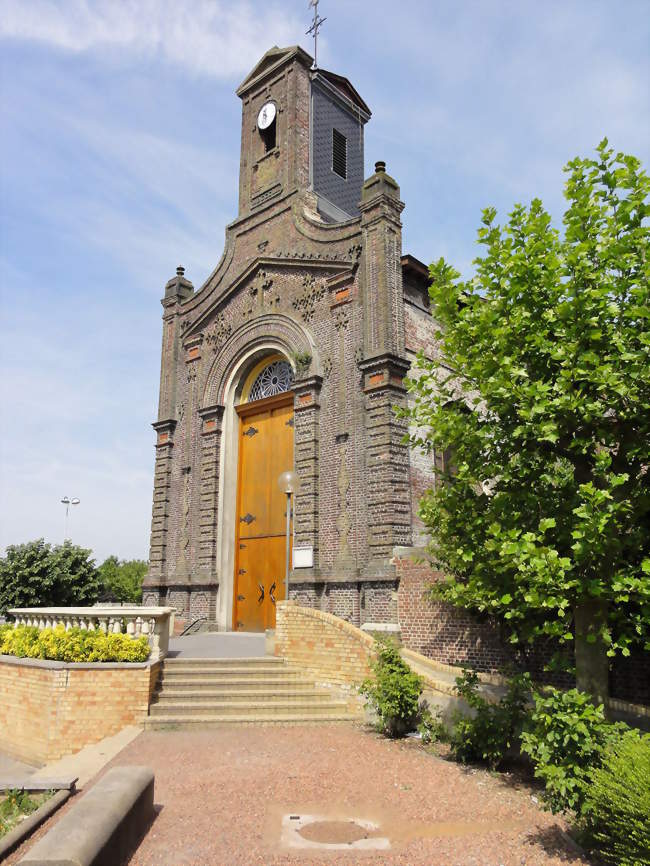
{"x":223,"y":794}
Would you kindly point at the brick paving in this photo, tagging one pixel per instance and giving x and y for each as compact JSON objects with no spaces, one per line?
{"x":222,"y":794}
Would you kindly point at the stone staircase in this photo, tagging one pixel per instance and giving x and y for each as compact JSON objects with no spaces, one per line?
{"x":204,"y":692}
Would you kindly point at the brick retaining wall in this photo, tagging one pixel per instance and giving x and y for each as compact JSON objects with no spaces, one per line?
{"x":51,"y":709}
{"x":331,"y":650}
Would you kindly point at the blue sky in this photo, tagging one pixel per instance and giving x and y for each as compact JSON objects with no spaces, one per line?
{"x":119,"y":161}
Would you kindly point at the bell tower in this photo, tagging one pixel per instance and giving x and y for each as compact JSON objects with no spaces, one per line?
{"x":302,"y":130}
{"x":275,"y":129}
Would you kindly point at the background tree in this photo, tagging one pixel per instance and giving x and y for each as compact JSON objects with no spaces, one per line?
{"x":546,"y":523}
{"x":122,"y":579}
{"x":36,"y":574}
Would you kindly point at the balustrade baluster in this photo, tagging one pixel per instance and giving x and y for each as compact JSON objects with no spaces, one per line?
{"x":153,"y":623}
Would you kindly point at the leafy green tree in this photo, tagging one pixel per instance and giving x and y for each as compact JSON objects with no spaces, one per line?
{"x":36,"y":574}
{"x":122,"y":579}
{"x":546,"y":522}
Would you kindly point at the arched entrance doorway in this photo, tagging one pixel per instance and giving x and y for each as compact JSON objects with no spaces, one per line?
{"x":265,"y":417}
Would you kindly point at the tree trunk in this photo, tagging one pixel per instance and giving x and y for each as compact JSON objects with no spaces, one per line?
{"x":592,"y":661}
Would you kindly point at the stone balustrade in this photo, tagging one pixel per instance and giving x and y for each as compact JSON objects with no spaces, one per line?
{"x":154,"y":623}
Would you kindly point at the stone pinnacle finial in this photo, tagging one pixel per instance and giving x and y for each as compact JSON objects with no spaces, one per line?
{"x":380,"y":167}
{"x":180,"y":271}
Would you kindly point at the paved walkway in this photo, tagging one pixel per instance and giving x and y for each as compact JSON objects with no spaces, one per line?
{"x":224,"y":645}
{"x":223,"y":795}
{"x":10,"y":769}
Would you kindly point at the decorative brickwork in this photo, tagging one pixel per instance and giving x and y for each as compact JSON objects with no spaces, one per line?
{"x":301,"y":280}
{"x":50,"y":709}
{"x":629,"y":678}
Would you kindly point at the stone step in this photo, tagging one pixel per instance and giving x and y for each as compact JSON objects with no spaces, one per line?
{"x":241,"y":695}
{"x":233,"y":683}
{"x":229,"y":673}
{"x":183,"y":661}
{"x":228,"y":708}
{"x":211,"y":692}
{"x":215,"y":721}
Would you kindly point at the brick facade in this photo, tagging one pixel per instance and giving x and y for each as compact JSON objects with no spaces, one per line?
{"x":52,"y":709}
{"x":328,"y":296}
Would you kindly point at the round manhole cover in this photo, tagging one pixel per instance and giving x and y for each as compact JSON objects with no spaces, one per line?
{"x":333,"y":832}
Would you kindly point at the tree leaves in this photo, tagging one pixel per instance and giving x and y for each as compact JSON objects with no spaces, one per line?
{"x":36,"y":574}
{"x":550,"y":347}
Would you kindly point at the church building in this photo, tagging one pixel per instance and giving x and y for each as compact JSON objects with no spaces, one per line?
{"x":291,"y":358}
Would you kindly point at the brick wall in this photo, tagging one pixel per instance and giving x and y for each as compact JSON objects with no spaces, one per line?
{"x":629,"y":678}
{"x":440,"y":631}
{"x":51,"y":709}
{"x":329,"y":649}
{"x":452,"y":636}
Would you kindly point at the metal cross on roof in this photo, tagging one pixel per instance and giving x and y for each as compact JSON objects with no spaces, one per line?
{"x":315,"y":27}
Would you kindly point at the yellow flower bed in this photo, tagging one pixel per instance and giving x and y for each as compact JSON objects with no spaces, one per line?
{"x":76,"y":645}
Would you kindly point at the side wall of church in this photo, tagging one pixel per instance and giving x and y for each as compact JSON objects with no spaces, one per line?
{"x":421,"y":335}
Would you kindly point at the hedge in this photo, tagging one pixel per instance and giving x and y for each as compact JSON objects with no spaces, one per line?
{"x":617,"y":803}
{"x":75,"y":645}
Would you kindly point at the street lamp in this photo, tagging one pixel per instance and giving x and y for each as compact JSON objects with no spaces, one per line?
{"x":67,"y":501}
{"x":289,"y":484}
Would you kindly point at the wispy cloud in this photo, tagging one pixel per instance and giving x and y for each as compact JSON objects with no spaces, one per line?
{"x":220,"y":39}
{"x":119,"y":160}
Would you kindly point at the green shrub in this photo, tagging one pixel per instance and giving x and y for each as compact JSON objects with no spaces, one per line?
{"x":16,"y":801}
{"x":565,"y":739}
{"x":76,"y":645}
{"x":617,"y":802}
{"x":122,"y":579}
{"x":394,"y":692}
{"x":493,"y":729}
{"x":39,"y":575}
{"x":16,"y":804}
{"x":431,"y":726}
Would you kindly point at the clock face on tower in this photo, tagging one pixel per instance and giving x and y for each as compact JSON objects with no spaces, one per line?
{"x":266,"y":116}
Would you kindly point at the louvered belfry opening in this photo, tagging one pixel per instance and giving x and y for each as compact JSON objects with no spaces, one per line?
{"x":339,"y":153}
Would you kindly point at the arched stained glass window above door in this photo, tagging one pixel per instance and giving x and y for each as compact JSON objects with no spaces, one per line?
{"x":276,"y":378}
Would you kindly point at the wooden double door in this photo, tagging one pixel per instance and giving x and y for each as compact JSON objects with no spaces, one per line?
{"x":265,"y":451}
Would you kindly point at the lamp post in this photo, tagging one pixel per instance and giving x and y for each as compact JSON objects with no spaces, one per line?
{"x":67,"y":501}
{"x":289,"y":484}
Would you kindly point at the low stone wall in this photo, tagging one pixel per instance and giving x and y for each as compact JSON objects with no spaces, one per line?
{"x":331,"y":650}
{"x":51,"y":709}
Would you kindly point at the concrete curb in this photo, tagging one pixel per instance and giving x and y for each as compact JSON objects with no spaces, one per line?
{"x":25,"y":828}
{"x":104,"y":826}
{"x":37,"y":783}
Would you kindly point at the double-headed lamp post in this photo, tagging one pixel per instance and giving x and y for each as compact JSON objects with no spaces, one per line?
{"x":289,"y":484}
{"x":68,"y":501}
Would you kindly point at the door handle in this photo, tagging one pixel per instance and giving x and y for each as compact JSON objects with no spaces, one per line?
{"x":261,"y":598}
{"x":271,"y":591}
